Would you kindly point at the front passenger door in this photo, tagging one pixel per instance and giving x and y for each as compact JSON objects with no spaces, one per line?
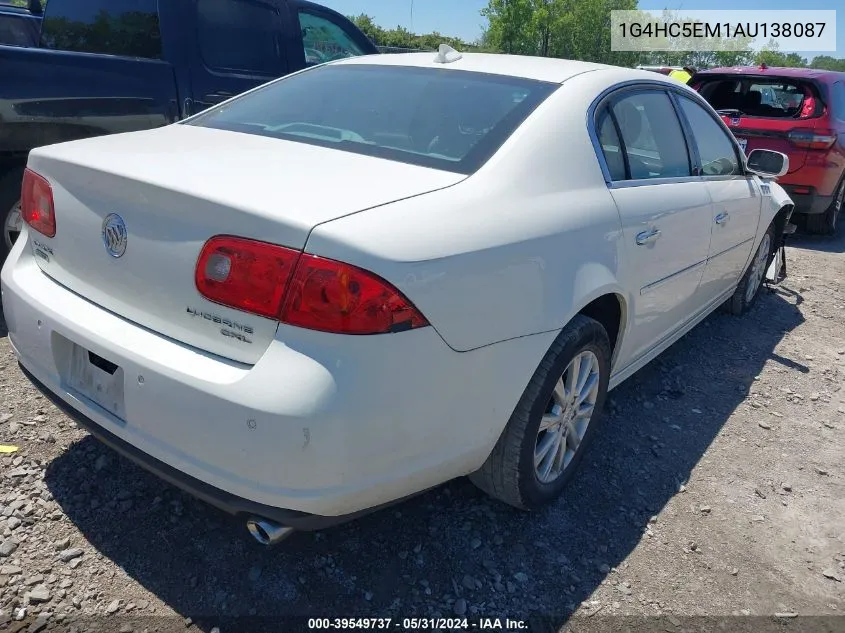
{"x":737,"y":201}
{"x":665,"y":212}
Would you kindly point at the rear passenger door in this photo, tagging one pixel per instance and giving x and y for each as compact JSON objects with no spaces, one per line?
{"x":737,"y":199}
{"x":665,"y":212}
{"x":240,"y":44}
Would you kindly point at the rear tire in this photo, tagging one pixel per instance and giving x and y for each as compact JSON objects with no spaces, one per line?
{"x":748,"y":290}
{"x":825,"y":223}
{"x":10,"y":197}
{"x":549,"y":418}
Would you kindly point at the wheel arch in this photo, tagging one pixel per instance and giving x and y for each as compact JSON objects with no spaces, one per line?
{"x":611,"y":310}
{"x":782,"y":217}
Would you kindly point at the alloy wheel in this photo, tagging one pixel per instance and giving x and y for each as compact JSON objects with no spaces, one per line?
{"x":567,"y":417}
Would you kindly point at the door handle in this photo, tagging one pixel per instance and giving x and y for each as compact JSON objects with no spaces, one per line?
{"x":648,"y":237}
{"x":722,"y":218}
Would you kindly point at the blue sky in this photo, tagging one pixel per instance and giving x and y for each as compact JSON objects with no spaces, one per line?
{"x":461,"y":17}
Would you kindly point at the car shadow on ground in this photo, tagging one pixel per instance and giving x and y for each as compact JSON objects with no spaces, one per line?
{"x":413,"y":559}
{"x":822,"y":243}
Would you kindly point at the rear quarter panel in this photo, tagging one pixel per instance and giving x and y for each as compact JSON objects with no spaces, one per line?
{"x":516,"y":249}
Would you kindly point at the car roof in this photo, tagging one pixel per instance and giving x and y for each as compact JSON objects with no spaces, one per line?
{"x":539,"y":68}
{"x":774,"y":72}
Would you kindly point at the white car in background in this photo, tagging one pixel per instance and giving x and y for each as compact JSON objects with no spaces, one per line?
{"x":373,"y":276}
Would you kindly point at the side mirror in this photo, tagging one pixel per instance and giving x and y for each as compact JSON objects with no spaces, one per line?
{"x":767,"y":163}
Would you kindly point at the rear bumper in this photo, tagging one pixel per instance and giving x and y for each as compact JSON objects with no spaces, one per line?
{"x":809,"y":203}
{"x":321,"y":425}
{"x":220,"y":499}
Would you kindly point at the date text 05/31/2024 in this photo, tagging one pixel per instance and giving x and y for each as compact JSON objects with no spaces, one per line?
{"x":418,"y":624}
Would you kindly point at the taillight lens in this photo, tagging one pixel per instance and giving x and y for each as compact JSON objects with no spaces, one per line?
{"x":301,"y":289}
{"x":809,"y":138}
{"x":245,"y":274}
{"x":37,"y":207}
{"x":332,"y":296}
{"x":808,"y":108}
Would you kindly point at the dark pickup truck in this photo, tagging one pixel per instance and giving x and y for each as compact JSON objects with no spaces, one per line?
{"x":108,"y":66}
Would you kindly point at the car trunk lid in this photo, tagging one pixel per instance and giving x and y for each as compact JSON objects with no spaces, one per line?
{"x":176,"y":187}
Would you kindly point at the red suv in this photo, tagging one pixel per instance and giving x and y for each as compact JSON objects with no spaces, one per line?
{"x":797,"y":111}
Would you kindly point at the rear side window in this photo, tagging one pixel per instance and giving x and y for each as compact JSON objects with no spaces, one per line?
{"x":444,"y":119}
{"x":324,"y":40}
{"x":652,"y":136}
{"x":118,"y":27}
{"x":240,"y":36}
{"x":610,"y":145}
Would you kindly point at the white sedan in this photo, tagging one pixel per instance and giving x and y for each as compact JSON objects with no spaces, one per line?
{"x":362,"y":280}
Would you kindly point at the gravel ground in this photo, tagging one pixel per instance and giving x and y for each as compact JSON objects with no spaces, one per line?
{"x":715,"y":487}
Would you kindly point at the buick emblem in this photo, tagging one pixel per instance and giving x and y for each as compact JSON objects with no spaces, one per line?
{"x":114,"y":235}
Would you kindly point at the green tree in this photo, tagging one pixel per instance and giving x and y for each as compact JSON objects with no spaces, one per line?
{"x":710,"y":51}
{"x":588,"y":25}
{"x":512,"y":27}
{"x":368,"y":26}
{"x":772,"y":56}
{"x":733,"y":58}
{"x":826,"y":62}
{"x":400,"y":37}
{"x":576,"y":29}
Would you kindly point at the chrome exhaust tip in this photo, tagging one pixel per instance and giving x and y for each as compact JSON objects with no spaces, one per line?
{"x":267,"y":532}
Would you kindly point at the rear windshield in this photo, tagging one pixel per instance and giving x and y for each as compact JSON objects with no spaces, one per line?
{"x":444,"y":119}
{"x":760,"y":97}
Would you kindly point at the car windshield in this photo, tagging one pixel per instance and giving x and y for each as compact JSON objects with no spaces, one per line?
{"x":765,"y":98}
{"x":441,"y":118}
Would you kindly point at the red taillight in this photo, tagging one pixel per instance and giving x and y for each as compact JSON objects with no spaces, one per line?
{"x":37,"y":203}
{"x":808,"y":108}
{"x":301,"y":289}
{"x":809,"y":138}
{"x":332,"y":296}
{"x":245,"y":274}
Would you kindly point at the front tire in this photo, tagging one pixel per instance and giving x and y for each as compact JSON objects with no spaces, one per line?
{"x":552,"y":425}
{"x":748,"y":290}
{"x":10,"y":205}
